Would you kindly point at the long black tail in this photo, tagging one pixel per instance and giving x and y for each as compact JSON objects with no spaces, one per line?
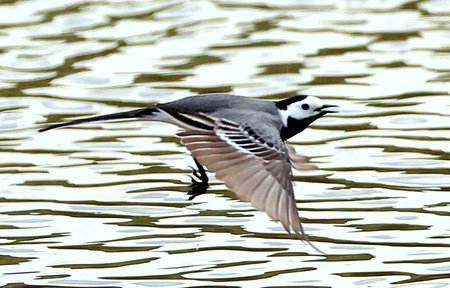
{"x":137,"y":113}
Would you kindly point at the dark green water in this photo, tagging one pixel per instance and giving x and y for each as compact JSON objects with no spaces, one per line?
{"x":105,"y":205}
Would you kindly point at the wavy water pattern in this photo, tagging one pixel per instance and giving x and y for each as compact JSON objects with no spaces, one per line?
{"x":105,"y":205}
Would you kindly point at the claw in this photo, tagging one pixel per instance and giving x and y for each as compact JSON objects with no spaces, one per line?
{"x":198,"y":187}
{"x":197,"y":190}
{"x":193,"y":181}
{"x":195,"y":172}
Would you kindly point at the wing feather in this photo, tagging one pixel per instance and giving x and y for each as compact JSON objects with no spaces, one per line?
{"x":272,"y":202}
{"x":204,"y":144}
{"x":299,"y":162}
{"x":208,"y":151}
{"x":217,"y":157}
{"x":259,"y":199}
{"x":256,"y":170}
{"x":257,"y":182}
{"x":226,"y":164}
{"x":283,"y":211}
{"x":193,"y":139}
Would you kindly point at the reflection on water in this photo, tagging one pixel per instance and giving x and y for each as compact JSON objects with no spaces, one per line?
{"x":106,"y":204}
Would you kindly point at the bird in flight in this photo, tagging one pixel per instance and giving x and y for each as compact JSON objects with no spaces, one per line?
{"x":242,"y":141}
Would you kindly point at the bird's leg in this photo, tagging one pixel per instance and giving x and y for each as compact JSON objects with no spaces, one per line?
{"x":199,"y":185}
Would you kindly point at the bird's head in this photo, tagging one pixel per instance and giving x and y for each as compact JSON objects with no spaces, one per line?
{"x":298,"y":112}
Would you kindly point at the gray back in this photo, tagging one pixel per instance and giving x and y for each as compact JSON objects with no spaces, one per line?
{"x":261,"y":115}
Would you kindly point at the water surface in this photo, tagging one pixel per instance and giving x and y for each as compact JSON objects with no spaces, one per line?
{"x":106,"y":205}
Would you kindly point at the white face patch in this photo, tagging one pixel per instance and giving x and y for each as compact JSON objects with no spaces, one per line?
{"x":301,"y":109}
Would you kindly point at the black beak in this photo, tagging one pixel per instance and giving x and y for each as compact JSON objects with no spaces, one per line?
{"x":327,"y":108}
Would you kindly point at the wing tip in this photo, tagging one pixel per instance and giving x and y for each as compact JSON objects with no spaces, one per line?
{"x":304,"y":238}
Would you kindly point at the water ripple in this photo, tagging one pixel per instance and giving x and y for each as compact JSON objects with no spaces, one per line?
{"x":106,"y":204}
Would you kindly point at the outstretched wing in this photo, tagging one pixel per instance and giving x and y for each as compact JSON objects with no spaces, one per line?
{"x":250,"y":165}
{"x":299,"y":162}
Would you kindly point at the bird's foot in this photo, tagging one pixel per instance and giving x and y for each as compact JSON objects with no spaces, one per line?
{"x":199,"y":185}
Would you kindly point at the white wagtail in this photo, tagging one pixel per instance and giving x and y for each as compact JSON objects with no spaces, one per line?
{"x":241,"y":140}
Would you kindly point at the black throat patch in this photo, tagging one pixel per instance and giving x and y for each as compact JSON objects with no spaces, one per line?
{"x":295,"y":126}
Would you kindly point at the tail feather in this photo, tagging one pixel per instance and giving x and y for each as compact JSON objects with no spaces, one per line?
{"x":137,"y":113}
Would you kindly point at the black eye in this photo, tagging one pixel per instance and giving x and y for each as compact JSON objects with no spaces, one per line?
{"x":305,"y":106}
